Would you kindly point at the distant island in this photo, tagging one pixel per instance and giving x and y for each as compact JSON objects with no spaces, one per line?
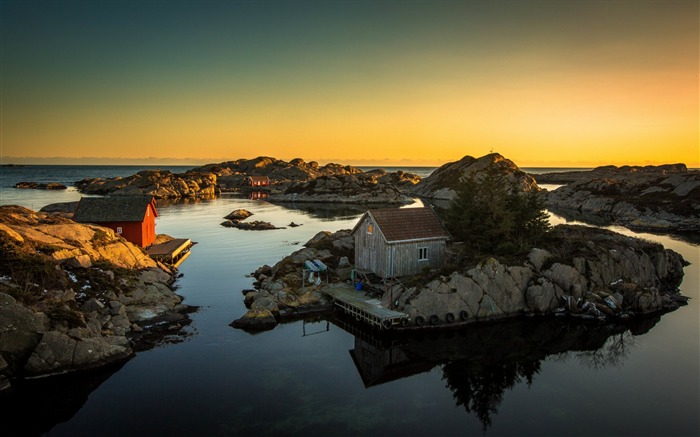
{"x":650,"y":198}
{"x":664,"y":198}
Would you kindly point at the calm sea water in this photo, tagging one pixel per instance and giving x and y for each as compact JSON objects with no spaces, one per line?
{"x":324,"y":377}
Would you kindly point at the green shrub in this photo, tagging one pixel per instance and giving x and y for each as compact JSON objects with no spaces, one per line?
{"x":493,"y":217}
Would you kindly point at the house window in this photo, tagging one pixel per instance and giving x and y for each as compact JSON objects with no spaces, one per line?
{"x":422,"y":254}
{"x":369,"y":229}
{"x":119,"y":229}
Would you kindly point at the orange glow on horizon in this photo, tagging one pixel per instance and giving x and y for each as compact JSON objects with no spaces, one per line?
{"x":541,"y":93}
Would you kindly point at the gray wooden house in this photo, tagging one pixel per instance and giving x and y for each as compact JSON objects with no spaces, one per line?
{"x":399,"y":241}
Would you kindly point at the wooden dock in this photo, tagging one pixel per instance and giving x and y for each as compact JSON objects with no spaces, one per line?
{"x":364,"y":308}
{"x":172,"y":252}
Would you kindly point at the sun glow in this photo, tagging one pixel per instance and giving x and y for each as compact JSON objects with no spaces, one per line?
{"x":427,"y":88}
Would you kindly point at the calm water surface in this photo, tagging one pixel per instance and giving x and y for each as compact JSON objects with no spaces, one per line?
{"x":527,"y":377}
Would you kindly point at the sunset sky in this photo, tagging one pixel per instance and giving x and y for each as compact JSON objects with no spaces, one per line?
{"x":544,"y":83}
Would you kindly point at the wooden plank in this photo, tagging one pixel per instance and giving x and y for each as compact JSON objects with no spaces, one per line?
{"x":171,"y":247}
{"x":181,"y":259}
{"x":171,"y":252}
{"x":365,"y":308}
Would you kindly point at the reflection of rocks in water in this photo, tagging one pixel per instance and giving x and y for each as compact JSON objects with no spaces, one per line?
{"x":184,"y":201}
{"x":51,"y":401}
{"x":576,"y":215}
{"x":608,"y":220}
{"x":328,"y":211}
{"x":57,"y":399}
{"x":480,"y":362}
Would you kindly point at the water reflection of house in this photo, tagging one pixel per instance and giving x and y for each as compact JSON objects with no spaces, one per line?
{"x":380,"y":359}
{"x":399,"y":241}
{"x":257,"y":195}
{"x":378,"y":363}
{"x":134,"y":218}
{"x":258,"y":181}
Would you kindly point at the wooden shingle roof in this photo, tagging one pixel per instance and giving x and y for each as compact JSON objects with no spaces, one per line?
{"x":112,"y":209}
{"x":405,"y":224}
{"x":258,"y":178}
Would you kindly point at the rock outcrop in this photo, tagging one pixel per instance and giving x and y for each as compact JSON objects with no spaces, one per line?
{"x":41,"y":185}
{"x":255,"y":225}
{"x":238,"y":214}
{"x":365,"y":188}
{"x":588,"y":272}
{"x":231,"y":175}
{"x":289,"y":181}
{"x":236,"y":219}
{"x":608,"y":172}
{"x":74,"y":296}
{"x":663,"y":198}
{"x":443,"y":182}
{"x":161,"y":184}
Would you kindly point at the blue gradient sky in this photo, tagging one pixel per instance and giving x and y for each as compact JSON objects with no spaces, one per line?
{"x":545,"y":83}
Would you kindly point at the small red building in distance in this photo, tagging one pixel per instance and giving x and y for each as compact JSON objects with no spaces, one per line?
{"x":258,"y":181}
{"x":134,"y":218}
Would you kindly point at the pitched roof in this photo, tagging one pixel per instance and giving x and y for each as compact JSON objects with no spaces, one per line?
{"x":403,"y":224}
{"x":258,"y":178}
{"x":112,"y":209}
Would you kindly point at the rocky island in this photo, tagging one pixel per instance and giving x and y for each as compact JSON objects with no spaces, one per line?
{"x":40,"y":185}
{"x":662,"y":198}
{"x":293,"y":181}
{"x":236,"y":219}
{"x":159,"y":184}
{"x":377,"y":187}
{"x":232,"y":175}
{"x":76,"y":296}
{"x":583,"y":272}
{"x":443,"y":182}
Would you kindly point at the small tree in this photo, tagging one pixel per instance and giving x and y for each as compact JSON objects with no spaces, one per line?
{"x":493,"y":217}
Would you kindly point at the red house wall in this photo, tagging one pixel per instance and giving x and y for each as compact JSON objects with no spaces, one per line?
{"x":140,"y":233}
{"x":258,"y":183}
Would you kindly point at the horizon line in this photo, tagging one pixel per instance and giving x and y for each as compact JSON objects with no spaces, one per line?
{"x":386,"y":162}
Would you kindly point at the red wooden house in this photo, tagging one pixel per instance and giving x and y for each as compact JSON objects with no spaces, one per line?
{"x":258,"y":181}
{"x":134,"y":218}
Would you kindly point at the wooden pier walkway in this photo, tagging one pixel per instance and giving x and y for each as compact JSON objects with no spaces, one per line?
{"x":171,"y":252}
{"x":364,"y":308}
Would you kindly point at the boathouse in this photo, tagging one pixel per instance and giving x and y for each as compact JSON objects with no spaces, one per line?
{"x":394,"y":242}
{"x":134,"y":218}
{"x":172,"y":252}
{"x":258,"y":181}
